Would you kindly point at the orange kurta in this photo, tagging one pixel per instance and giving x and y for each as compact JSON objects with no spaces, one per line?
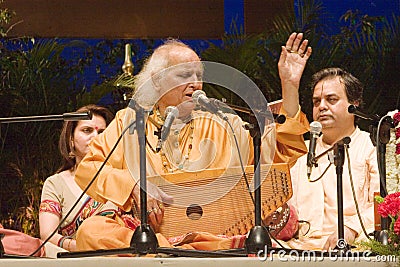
{"x":206,"y":142}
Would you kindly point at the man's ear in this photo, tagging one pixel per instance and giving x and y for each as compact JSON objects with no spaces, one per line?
{"x":156,"y":80}
{"x":357,"y":104}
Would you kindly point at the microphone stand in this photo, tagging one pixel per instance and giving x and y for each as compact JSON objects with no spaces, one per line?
{"x":258,"y":237}
{"x":384,"y":137}
{"x":73,"y":116}
{"x":144,"y":239}
{"x":380,"y":235}
{"x":339,"y":157}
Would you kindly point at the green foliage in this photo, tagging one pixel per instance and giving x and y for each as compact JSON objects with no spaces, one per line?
{"x":238,"y":51}
{"x":5,"y":18}
{"x":35,"y":80}
{"x":379,"y":199}
{"x":366,"y":46}
{"x":392,"y":248}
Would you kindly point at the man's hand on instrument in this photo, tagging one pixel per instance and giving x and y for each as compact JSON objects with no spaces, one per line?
{"x":155,"y":203}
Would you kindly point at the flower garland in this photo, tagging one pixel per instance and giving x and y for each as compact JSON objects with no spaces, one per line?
{"x":387,"y":207}
{"x":390,"y":207}
{"x":393,"y":155}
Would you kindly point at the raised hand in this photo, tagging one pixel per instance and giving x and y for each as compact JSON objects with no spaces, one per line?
{"x":291,"y":65}
{"x":293,"y":58}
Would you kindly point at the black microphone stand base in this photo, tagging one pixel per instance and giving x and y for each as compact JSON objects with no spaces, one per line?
{"x":144,"y":240}
{"x":258,"y":239}
{"x":382,"y":236}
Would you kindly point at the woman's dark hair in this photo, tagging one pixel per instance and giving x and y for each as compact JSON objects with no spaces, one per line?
{"x":64,"y":144}
{"x":353,"y":87}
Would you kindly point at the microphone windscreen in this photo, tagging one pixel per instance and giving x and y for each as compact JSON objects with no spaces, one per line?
{"x":315,"y":127}
{"x":196,"y":95}
{"x":174,"y":110}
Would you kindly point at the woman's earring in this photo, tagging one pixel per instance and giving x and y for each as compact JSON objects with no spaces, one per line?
{"x":71,"y":155}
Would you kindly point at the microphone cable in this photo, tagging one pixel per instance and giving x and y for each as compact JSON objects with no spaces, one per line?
{"x":322,"y":175}
{"x":241,"y":161}
{"x":86,"y":189}
{"x":354,"y":194}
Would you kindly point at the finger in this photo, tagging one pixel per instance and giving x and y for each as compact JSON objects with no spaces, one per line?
{"x":161,"y":206}
{"x":303,"y":46}
{"x":326,"y":245}
{"x":151,"y":217}
{"x":159,"y":216}
{"x":135,"y":195}
{"x":283,"y":56}
{"x":155,"y":216}
{"x":135,"y":208}
{"x":332,"y":243}
{"x":297,"y":41}
{"x":149,"y":212}
{"x":308,"y":53}
{"x":165,"y":198}
{"x":151,"y":204}
{"x":289,"y":42}
{"x":284,"y":52}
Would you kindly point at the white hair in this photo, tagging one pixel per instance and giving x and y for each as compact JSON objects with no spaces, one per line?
{"x":146,"y":94}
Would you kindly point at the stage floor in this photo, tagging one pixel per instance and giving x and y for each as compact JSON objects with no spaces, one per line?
{"x":288,"y":260}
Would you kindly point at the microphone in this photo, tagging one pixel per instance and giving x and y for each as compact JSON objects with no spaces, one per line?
{"x":354,"y":109}
{"x":200,"y":98}
{"x":315,"y":130}
{"x":76,"y":116}
{"x":345,"y":141}
{"x":73,"y":116}
{"x":278,"y":118}
{"x":171,"y":114}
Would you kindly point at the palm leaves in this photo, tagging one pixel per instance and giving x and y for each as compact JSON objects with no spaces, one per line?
{"x":366,"y":46}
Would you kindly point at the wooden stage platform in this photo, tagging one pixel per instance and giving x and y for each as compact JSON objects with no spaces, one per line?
{"x":276,"y":260}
